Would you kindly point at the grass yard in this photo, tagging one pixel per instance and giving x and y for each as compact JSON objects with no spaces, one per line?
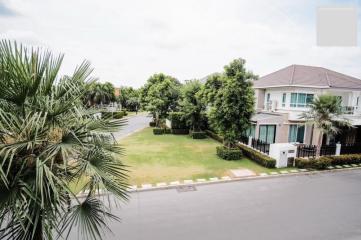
{"x":165,"y":158}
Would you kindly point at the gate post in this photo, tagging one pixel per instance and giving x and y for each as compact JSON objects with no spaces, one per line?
{"x":338,"y":149}
{"x":250,"y":141}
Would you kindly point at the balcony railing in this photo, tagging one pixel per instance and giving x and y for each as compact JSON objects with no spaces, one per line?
{"x":350,"y":110}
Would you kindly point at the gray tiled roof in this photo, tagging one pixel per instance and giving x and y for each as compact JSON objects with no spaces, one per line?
{"x":300,"y":75}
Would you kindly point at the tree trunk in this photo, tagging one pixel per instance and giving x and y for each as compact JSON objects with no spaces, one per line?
{"x":319,"y":144}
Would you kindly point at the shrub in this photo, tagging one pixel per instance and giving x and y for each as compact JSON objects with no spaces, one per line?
{"x":125,"y":113}
{"x":319,"y":163}
{"x":177,"y":121}
{"x":106,"y":115}
{"x":229,"y":153}
{"x":167,"y":131}
{"x":152,"y":124}
{"x":345,"y":159}
{"x":118,"y":115}
{"x":258,"y":157}
{"x":198,"y":135}
{"x":158,"y":131}
{"x":180,"y":131}
{"x":214,"y":136}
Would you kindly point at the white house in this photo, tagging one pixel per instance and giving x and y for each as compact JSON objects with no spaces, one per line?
{"x":282,"y":95}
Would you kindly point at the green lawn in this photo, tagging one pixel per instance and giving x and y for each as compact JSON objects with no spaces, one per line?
{"x":165,"y":158}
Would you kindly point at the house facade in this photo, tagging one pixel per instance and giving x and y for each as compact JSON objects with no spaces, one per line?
{"x":282,"y":96}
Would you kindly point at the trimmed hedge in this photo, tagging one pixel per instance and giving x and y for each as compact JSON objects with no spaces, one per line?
{"x":125,"y":113}
{"x":114,"y":115}
{"x":176,"y":120}
{"x":167,"y":131}
{"x":180,"y":131}
{"x":152,"y":124}
{"x":252,"y":154}
{"x":198,"y":135}
{"x":258,"y":157}
{"x":158,"y":131}
{"x":229,"y":153}
{"x":118,"y":115}
{"x":326,"y":161}
{"x":214,"y":136}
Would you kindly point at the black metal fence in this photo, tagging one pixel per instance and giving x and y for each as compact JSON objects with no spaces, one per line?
{"x":260,"y":145}
{"x":306,"y":150}
{"x":327,"y":150}
{"x":351,"y":148}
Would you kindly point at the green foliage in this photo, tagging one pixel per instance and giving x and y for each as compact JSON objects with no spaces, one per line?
{"x":325,"y":161}
{"x":152,"y":124}
{"x":325,"y":114}
{"x":129,"y":98}
{"x":180,"y":131}
{"x":160,"y":95}
{"x":99,"y":93}
{"x":233,"y":104}
{"x":192,"y":106}
{"x":214,"y":136}
{"x":158,"y":131}
{"x":229,"y":153}
{"x":48,"y":140}
{"x":198,"y":135}
{"x":177,"y":120}
{"x":314,"y":163}
{"x":258,"y":157}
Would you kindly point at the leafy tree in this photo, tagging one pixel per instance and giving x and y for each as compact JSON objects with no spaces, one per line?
{"x":325,"y":114}
{"x":233,"y":104}
{"x":127,"y":93}
{"x":47,"y":141}
{"x":211,"y":87}
{"x":162,"y":94}
{"x":99,"y":93}
{"x":192,"y":105}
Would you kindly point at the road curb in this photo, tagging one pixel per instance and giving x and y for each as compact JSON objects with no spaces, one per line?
{"x":225,"y":179}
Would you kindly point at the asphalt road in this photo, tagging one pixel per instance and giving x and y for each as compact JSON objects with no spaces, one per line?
{"x":133,"y":124}
{"x":321,"y":206}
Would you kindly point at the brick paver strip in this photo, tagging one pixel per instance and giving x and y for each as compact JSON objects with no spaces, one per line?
{"x":161,"y":184}
{"x":274,"y":173}
{"x":145,"y":186}
{"x":304,"y":170}
{"x":284,"y":172}
{"x":294,"y":171}
{"x":213,"y":179}
{"x":226,"y":178}
{"x":338,"y":166}
{"x":174,"y":183}
{"x":263,"y":174}
{"x":354,"y":165}
{"x":330,"y":167}
{"x":346,"y":165}
{"x":188,"y":181}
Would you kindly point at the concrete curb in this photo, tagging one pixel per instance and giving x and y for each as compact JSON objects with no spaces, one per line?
{"x":216,"y":180}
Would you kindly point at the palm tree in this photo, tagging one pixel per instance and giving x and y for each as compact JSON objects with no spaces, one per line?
{"x":98,"y":93}
{"x":47,"y":141}
{"x":325,"y":114}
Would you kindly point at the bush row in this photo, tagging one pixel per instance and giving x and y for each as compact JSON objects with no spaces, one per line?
{"x":214,"y":136}
{"x":152,"y":124}
{"x":326,"y":161}
{"x":198,"y":135}
{"x":177,"y":121}
{"x":258,"y":157}
{"x":180,"y":131}
{"x":229,"y":153}
{"x":115,"y":115}
{"x":252,"y":154}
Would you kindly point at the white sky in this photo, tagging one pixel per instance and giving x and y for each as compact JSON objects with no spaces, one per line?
{"x":127,"y":41}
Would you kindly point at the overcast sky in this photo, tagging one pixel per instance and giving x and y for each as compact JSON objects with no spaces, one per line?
{"x":127,"y":41}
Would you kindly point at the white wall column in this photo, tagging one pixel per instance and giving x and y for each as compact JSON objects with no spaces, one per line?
{"x":338,"y":149}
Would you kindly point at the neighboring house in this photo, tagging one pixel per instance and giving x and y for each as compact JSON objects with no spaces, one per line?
{"x":283,"y":95}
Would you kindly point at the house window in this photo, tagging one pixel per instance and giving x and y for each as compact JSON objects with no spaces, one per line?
{"x":284,"y":100}
{"x":251,"y":131}
{"x":267,"y":133}
{"x":301,"y":99}
{"x":296,"y":133}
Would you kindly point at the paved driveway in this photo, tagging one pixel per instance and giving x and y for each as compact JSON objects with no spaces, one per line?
{"x":322,"y":206}
{"x":134,"y":123}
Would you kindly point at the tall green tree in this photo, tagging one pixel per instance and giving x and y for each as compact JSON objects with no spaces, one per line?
{"x":191,"y":104}
{"x":325,"y":114}
{"x":48,"y":140}
{"x":161,"y":95}
{"x":99,"y":93}
{"x":233,"y":104}
{"x":127,"y":93}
